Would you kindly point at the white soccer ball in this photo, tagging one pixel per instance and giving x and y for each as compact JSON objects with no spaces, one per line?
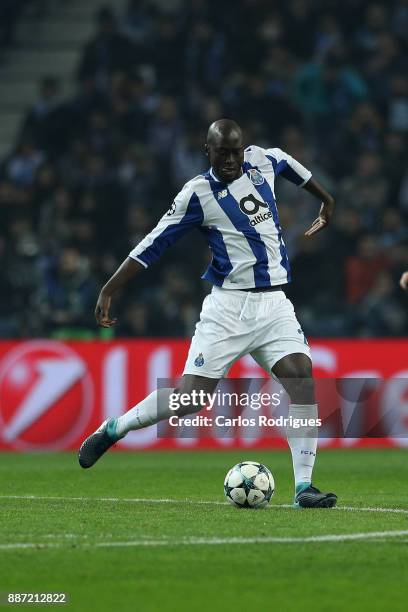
{"x":249,"y":484}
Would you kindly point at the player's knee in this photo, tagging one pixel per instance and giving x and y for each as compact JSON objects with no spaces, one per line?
{"x":299,"y":385}
{"x":295,"y":374}
{"x":191,"y":408}
{"x":301,"y":390}
{"x":186,"y":402}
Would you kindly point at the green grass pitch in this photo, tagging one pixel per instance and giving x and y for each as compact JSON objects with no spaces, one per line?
{"x":130,"y":533}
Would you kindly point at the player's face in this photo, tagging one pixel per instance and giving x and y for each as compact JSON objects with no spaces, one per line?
{"x":226,"y":156}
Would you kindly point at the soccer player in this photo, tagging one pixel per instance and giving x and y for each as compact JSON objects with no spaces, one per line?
{"x":233,"y":205}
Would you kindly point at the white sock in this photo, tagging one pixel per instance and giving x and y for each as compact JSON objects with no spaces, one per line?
{"x":151,"y":410}
{"x":303,"y":443}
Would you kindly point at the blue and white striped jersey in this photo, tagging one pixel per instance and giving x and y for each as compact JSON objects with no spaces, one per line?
{"x":239,"y":221}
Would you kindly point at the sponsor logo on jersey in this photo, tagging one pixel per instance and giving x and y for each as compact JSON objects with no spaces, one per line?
{"x":256,"y":177}
{"x":250,"y":206}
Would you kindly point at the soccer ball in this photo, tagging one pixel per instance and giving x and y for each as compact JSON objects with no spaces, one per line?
{"x":249,"y":485}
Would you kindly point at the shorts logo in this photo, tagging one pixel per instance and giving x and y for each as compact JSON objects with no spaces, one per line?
{"x":250,"y":206}
{"x":199,"y":361}
{"x":256,"y":177}
{"x":171,"y":210}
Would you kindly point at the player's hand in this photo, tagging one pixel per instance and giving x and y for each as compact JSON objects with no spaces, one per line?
{"x":322,"y":221}
{"x":404,"y":281}
{"x":102,"y":311}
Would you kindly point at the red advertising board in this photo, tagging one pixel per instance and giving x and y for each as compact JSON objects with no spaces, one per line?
{"x":53,"y":394}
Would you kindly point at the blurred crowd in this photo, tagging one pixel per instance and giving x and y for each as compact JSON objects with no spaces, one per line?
{"x":11,"y":12}
{"x":90,"y":175}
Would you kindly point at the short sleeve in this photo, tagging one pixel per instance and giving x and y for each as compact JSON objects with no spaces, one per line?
{"x":286,"y":166}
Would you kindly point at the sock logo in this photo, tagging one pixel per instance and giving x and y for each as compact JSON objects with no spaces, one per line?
{"x":307,"y":452}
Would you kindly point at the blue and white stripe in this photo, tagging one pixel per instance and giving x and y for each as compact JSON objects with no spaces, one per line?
{"x":247,"y":250}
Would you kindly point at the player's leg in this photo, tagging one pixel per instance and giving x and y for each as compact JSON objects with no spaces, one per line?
{"x":283,"y":351}
{"x":220,"y":337}
{"x":210,"y":355}
{"x":157,"y":406}
{"x":152,"y":409}
{"x":295,"y":374}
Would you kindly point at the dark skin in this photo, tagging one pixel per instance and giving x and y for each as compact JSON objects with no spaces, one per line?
{"x":225,"y":150}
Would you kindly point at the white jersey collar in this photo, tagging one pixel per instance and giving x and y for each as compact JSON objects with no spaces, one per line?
{"x":212,"y":174}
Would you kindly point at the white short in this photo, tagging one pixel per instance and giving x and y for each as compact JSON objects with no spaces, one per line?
{"x":234,"y":323}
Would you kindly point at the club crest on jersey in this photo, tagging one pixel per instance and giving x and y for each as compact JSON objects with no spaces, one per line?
{"x":199,"y":361}
{"x":256,"y":177}
{"x":222,"y":194}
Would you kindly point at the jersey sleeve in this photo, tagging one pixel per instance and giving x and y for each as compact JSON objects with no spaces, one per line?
{"x":286,"y":166}
{"x":183,"y":215}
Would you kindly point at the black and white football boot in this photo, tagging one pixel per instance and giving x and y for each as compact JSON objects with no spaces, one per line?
{"x":98,"y":443}
{"x":307,"y":496}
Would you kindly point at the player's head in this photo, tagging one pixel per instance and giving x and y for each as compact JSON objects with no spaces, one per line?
{"x":225,"y":149}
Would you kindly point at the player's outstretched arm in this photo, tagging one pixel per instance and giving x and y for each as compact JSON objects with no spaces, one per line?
{"x":126,"y":270}
{"x":326,"y":209}
{"x":183,"y":215}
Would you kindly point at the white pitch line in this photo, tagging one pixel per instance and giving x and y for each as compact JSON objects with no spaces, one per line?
{"x":360,"y":509}
{"x":136,"y":500}
{"x":187,"y":501}
{"x":17,"y":545}
{"x":26,"y":536}
{"x":194,"y":541}
{"x":201,"y":541}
